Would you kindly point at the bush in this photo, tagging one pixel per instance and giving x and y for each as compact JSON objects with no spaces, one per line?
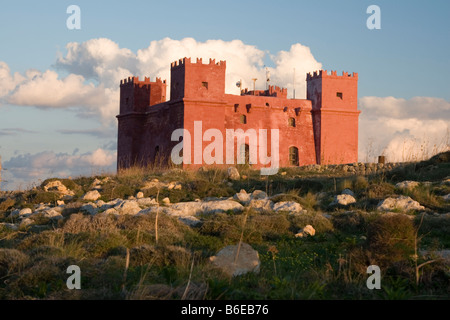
{"x":390,"y":238}
{"x":11,"y":261}
{"x":6,"y":204}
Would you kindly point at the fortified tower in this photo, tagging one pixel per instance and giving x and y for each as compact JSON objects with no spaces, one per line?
{"x":197,"y":80}
{"x":136,"y":95}
{"x":335,"y":116}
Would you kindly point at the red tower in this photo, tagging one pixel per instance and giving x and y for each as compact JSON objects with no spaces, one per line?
{"x":335,"y":116}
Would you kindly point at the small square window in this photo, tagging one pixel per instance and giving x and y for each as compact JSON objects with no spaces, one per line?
{"x":205,"y":84}
{"x":126,"y":101}
{"x":339,"y":95}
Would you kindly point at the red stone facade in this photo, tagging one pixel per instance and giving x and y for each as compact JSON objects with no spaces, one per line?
{"x":323,"y":129}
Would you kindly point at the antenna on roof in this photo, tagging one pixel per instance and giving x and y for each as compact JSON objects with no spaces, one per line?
{"x":294,"y":83}
{"x":267,"y":78}
{"x":254,"y":85}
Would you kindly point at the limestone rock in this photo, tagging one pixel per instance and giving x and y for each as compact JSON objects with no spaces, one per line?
{"x":189,"y":208}
{"x":343,"y":199}
{"x":140,"y":195}
{"x":233,"y":173}
{"x":403,"y":203}
{"x":190,"y":221}
{"x":348,"y":191}
{"x":262,"y":205}
{"x":92,"y":195}
{"x":111,"y":211}
{"x":21,"y":213}
{"x":59,"y":187}
{"x":130,"y":207}
{"x":288,"y":206}
{"x":90,"y":208}
{"x":247,"y":261}
{"x":221,"y":206}
{"x":146,"y":202}
{"x":26,"y":222}
{"x":306,"y":231}
{"x":258,"y":195}
{"x":242,"y":196}
{"x":408,"y":185}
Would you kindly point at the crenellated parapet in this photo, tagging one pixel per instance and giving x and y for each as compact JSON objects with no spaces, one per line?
{"x":333,"y":74}
{"x":187,"y":61}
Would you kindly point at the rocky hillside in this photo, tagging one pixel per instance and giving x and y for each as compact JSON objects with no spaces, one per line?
{"x":233,"y":222}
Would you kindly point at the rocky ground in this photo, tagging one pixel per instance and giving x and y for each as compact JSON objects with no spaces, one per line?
{"x":320,"y":195}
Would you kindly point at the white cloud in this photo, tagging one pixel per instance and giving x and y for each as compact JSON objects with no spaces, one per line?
{"x":103,"y":62}
{"x":7,"y":81}
{"x":26,"y":168}
{"x":401,"y":129}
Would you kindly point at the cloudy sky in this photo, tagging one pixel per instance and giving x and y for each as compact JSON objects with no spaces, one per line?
{"x":59,"y":88}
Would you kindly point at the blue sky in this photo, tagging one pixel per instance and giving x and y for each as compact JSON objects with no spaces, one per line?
{"x":406,"y":59}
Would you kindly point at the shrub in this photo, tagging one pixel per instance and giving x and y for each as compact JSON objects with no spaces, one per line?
{"x":390,"y":238}
{"x":317,"y":220}
{"x":11,"y":261}
{"x":6,"y":204}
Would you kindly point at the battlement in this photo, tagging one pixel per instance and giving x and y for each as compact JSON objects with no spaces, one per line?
{"x":273,"y":91}
{"x":135,"y":80}
{"x":333,"y":74}
{"x":185,"y":61}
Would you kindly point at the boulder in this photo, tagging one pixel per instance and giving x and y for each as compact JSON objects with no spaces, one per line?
{"x":221,"y":206}
{"x":446,"y":197}
{"x":407,"y":185}
{"x":258,"y":195}
{"x":130,"y":207}
{"x":92,"y":195}
{"x":140,"y":195}
{"x":262,"y":205}
{"x":190,"y":208}
{"x":233,"y":173}
{"x":403,"y":203}
{"x":111,"y":211}
{"x":52,"y":214}
{"x":58,"y":187}
{"x":190,"y":221}
{"x":166,"y":201}
{"x":21,"y":213}
{"x":247,"y":260}
{"x":306,"y":231}
{"x":343,"y":199}
{"x":146,"y":202}
{"x":242,"y":196}
{"x":26,"y":222}
{"x":89,"y":208}
{"x":288,"y":206}
{"x":348,"y":191}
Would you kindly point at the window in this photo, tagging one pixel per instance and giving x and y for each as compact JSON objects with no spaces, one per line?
{"x":339,"y":95}
{"x":293,"y":156}
{"x":267,"y":104}
{"x":243,"y":119}
{"x":291,"y":122}
{"x":205,"y":85}
{"x":126,"y":101}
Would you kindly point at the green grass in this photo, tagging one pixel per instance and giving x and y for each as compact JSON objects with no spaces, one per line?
{"x":330,"y":265}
